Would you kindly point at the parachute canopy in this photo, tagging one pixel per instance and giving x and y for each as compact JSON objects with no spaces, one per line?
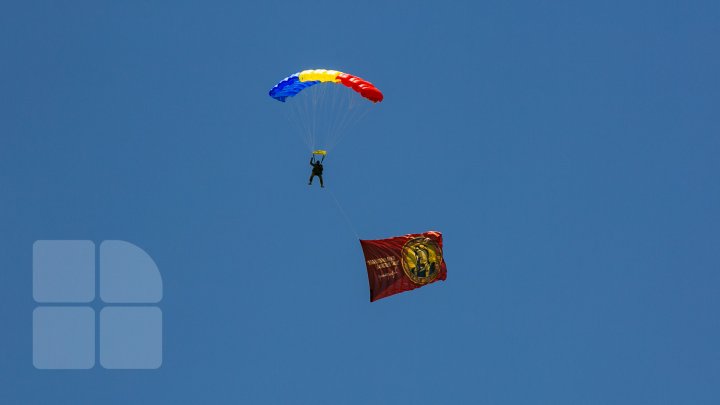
{"x":320,"y":152}
{"x":294,"y":84}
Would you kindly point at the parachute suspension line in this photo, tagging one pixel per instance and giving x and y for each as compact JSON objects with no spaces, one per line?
{"x":343,"y":214}
{"x":356,"y":110}
{"x":328,"y":111}
{"x":325,"y":112}
{"x":343,"y":101}
{"x":356,"y":114}
{"x":311,"y":110}
{"x":329,"y":108}
{"x":296,"y":114}
{"x":314,"y":100}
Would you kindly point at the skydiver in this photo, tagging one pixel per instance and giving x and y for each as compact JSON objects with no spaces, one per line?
{"x":316,"y":170}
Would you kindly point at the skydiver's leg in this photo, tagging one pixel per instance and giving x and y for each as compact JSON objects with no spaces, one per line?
{"x":321,"y":180}
{"x":311,"y":179}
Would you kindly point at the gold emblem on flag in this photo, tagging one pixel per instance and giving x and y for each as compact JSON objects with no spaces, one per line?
{"x":421,"y":260}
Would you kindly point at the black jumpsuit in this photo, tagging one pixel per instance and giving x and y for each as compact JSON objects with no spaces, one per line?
{"x":316,"y":171}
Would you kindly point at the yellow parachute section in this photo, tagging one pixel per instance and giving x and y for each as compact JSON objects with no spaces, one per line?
{"x":320,"y":75}
{"x":320,"y":152}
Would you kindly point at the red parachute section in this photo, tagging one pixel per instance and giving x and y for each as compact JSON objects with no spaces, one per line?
{"x":364,"y":87}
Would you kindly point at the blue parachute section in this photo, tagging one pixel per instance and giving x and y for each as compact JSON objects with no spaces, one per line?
{"x":289,"y":87}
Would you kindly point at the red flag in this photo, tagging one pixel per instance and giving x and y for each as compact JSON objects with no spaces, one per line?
{"x":403,"y":263}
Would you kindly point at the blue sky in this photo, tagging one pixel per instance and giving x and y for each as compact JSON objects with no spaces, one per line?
{"x":567,"y":150}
